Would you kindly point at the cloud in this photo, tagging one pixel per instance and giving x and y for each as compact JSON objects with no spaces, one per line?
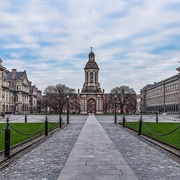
{"x":135,"y":43}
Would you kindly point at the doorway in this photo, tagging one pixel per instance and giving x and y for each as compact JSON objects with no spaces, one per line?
{"x":91,"y":106}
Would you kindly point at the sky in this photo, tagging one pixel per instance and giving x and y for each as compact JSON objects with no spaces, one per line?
{"x":135,"y":42}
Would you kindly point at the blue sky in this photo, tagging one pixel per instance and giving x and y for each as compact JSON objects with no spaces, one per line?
{"x":135,"y":42}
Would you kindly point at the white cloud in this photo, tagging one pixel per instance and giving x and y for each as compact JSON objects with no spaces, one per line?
{"x":122,"y":34}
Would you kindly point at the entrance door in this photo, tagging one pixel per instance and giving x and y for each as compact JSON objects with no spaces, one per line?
{"x":91,"y":106}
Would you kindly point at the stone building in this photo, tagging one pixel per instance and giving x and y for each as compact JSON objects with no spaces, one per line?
{"x":35,"y":95}
{"x":163,"y":96}
{"x":91,"y":96}
{"x":16,"y":92}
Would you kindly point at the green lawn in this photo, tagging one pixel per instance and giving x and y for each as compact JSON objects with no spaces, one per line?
{"x":27,"y":130}
{"x":160,"y":128}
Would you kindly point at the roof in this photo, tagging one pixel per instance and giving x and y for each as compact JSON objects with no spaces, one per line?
{"x":19,"y":75}
{"x":91,"y":64}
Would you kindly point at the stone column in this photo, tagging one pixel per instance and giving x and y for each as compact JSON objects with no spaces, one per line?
{"x":85,"y":104}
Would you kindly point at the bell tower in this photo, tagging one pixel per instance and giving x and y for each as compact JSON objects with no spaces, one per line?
{"x":91,"y":69}
{"x":91,"y":94}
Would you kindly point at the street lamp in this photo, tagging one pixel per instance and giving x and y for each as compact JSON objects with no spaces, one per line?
{"x":115,"y":115}
{"x":67,"y":109}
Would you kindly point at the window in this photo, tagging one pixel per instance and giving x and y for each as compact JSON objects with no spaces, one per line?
{"x":91,"y":77}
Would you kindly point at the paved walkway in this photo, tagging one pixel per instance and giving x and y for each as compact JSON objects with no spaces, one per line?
{"x":95,"y":157}
{"x":146,"y":160}
{"x":47,"y":160}
{"x":93,"y":151}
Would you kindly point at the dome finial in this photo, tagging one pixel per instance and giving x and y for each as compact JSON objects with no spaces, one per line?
{"x":91,"y":49}
{"x":91,"y":55}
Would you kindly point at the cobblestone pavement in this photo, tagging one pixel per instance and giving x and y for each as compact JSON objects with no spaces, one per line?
{"x":45,"y":161}
{"x":94,"y":157}
{"x":147,"y":162}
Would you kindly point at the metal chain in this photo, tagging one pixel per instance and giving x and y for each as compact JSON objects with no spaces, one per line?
{"x":149,"y":117}
{"x":131,"y":124}
{"x":53,"y":125}
{"x":34,"y":118}
{"x":3,"y":129}
{"x":167,"y":118}
{"x":133,"y":118}
{"x":160,"y":134}
{"x":16,"y":118}
{"x":27,"y":134}
{"x":120,"y":120}
{"x":129,"y":117}
{"x":63,"y":118}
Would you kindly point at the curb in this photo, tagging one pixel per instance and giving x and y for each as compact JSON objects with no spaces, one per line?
{"x":175,"y":151}
{"x":22,"y":148}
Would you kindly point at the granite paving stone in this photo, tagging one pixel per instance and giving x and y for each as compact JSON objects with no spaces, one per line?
{"x":46,"y":160}
{"x":96,"y":157}
{"x":147,"y":162}
{"x":93,"y":150}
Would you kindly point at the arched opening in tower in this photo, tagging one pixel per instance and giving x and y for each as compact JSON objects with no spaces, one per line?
{"x":91,"y":106}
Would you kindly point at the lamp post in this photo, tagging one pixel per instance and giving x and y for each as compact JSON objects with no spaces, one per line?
{"x":115,"y":115}
{"x":67,"y":109}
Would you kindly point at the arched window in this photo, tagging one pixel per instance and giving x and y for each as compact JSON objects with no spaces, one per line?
{"x":87,"y":77}
{"x":91,"y":77}
{"x":95,"y":77}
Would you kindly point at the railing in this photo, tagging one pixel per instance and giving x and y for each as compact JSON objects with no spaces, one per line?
{"x":128,"y":120}
{"x":44,"y":124}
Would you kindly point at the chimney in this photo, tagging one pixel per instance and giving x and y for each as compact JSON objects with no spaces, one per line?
{"x":78,"y":91}
{"x":14,"y":73}
{"x":103,"y":91}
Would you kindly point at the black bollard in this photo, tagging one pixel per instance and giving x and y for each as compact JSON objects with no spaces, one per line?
{"x":46,"y":126}
{"x":124,"y":120}
{"x":7,"y":140}
{"x":25,"y":118}
{"x":140,"y":126}
{"x":115,"y":118}
{"x":157,"y":117}
{"x":60,"y":121}
{"x":67,"y":118}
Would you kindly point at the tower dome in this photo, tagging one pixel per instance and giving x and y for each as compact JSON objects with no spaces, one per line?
{"x":91,"y":55}
{"x":91,"y":64}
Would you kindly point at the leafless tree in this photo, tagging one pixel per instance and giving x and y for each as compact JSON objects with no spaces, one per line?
{"x":74,"y":102}
{"x":126,"y":98}
{"x":56,"y":97}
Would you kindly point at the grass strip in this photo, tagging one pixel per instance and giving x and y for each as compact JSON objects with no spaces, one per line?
{"x":159,"y":128}
{"x":25,"y":128}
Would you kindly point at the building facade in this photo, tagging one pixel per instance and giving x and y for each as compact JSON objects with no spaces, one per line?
{"x":91,"y":96}
{"x":163,"y":96}
{"x":92,"y":99}
{"x":17,"y":95}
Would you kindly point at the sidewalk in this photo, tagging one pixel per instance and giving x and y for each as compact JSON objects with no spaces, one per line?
{"x":95,"y":157}
{"x":46,"y":160}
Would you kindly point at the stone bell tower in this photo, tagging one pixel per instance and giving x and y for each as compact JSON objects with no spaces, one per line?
{"x":91,"y":95}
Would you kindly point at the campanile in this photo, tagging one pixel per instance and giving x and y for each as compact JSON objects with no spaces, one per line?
{"x":91,"y":96}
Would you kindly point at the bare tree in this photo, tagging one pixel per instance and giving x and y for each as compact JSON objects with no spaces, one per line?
{"x":56,"y":97}
{"x":126,"y":98}
{"x":74,"y":103}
